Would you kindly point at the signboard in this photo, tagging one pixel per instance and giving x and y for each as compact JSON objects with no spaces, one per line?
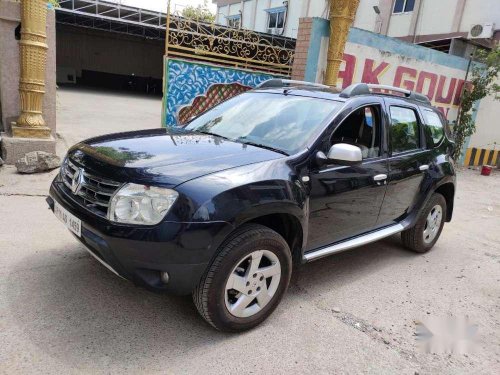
{"x":374,"y":58}
{"x":441,"y":84}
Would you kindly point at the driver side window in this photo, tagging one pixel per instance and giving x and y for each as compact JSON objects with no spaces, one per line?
{"x":362,"y":129}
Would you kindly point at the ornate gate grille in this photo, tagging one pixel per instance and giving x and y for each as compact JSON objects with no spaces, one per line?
{"x":228,"y":46}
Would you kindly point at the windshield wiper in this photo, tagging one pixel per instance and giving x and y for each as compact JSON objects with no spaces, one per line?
{"x":244,"y":141}
{"x":262,"y":146}
{"x":214,"y":134}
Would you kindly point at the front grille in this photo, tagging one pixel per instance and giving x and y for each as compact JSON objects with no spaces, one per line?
{"x":95,"y":192}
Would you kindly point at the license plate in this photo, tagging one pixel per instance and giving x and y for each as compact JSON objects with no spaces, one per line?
{"x":70,"y":221}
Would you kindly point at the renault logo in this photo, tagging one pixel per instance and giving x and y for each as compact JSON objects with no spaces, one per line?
{"x":77,"y":181}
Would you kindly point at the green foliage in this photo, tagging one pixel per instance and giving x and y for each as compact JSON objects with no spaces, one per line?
{"x":54,"y":3}
{"x":199,"y":13}
{"x":404,"y":136}
{"x":482,"y":84}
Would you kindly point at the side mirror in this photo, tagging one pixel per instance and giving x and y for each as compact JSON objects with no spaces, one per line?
{"x":342,"y":154}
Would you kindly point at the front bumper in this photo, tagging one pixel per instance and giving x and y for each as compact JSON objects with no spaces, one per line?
{"x":140,"y":254}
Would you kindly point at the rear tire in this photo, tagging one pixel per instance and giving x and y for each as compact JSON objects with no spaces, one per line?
{"x":246,"y":280}
{"x":424,"y":235}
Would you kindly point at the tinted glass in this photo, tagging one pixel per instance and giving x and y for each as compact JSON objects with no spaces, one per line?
{"x":281,"y":20}
{"x":410,"y":4}
{"x":284,"y":122}
{"x":434,"y":126}
{"x":361,"y":129}
{"x":404,"y":130}
{"x":399,"y":6}
{"x":273,"y":17}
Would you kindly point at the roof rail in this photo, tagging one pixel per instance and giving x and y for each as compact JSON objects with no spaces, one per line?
{"x":366,"y":89}
{"x":277,"y":82}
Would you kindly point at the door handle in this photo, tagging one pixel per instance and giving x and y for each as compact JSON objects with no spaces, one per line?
{"x":380,"y":177}
{"x":424,"y":167}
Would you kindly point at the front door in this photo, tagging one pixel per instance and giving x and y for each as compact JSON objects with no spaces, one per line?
{"x":345,"y":200}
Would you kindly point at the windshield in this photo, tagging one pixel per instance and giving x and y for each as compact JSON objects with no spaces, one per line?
{"x":286,"y":123}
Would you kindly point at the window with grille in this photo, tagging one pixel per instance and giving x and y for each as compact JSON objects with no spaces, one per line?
{"x":276,"y":19}
{"x":234,"y":21}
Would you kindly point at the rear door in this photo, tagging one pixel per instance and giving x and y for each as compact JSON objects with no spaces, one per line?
{"x":408,"y":161}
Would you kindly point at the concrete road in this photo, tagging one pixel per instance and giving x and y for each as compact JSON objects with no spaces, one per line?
{"x":355,"y":312}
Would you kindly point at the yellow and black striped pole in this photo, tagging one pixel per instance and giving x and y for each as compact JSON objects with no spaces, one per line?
{"x":481,"y":156}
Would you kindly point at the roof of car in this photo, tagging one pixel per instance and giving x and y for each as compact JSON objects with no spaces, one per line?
{"x":330,"y":93}
{"x":307,"y":91}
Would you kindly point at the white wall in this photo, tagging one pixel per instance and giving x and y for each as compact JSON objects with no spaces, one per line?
{"x":399,"y":25}
{"x":436,"y":16}
{"x":487,"y":127}
{"x":294,"y":14}
{"x":480,"y":11}
{"x":255,"y":16}
{"x":225,"y":11}
{"x":366,"y":18}
{"x":248,"y":15}
{"x":221,"y":13}
{"x":261,"y":15}
{"x":317,"y":8}
{"x":234,"y":9}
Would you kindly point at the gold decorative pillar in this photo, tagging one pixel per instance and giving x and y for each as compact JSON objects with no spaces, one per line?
{"x":342,"y":13}
{"x":33,"y":49}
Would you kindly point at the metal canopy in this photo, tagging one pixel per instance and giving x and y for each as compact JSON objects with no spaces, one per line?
{"x":114,"y":17}
{"x":188,"y":38}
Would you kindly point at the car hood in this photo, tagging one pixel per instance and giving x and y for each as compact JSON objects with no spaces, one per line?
{"x":163,"y":157}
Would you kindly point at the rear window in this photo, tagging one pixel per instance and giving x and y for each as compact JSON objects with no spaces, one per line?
{"x":405,"y":134}
{"x":434,"y":127}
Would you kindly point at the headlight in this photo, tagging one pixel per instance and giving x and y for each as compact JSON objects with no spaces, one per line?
{"x":62,"y":170}
{"x":138,"y":204}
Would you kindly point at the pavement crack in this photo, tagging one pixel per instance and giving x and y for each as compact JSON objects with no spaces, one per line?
{"x":375,"y":333}
{"x":22,"y":195}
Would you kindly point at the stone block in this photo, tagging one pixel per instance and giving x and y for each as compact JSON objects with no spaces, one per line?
{"x":38,"y":161}
{"x":14,"y":149}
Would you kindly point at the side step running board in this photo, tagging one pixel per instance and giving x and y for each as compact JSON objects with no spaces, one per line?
{"x":355,"y":242}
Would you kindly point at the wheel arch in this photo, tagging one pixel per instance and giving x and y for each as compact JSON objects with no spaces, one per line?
{"x":286,"y":225}
{"x":447,"y":190}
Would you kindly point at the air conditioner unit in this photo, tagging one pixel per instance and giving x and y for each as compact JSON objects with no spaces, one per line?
{"x":482,"y":31}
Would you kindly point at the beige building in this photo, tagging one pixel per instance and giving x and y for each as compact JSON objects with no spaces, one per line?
{"x":446,"y":25}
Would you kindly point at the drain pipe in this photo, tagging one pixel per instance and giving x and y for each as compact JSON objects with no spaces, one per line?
{"x":285,"y":21}
{"x":415,"y":27}
{"x":242,"y":7}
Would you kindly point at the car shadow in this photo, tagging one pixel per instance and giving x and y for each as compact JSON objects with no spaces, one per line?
{"x":352,"y":265}
{"x":80,"y":312}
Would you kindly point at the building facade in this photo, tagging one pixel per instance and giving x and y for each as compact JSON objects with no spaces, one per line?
{"x":451,"y":26}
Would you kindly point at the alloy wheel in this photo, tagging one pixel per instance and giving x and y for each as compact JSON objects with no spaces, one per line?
{"x":432,"y":224}
{"x":252,"y":283}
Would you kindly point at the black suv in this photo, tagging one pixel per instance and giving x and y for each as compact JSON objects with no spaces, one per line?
{"x":281,"y":175}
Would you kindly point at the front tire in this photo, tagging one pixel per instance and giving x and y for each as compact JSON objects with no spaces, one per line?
{"x":246,"y":280}
{"x":424,"y":235}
